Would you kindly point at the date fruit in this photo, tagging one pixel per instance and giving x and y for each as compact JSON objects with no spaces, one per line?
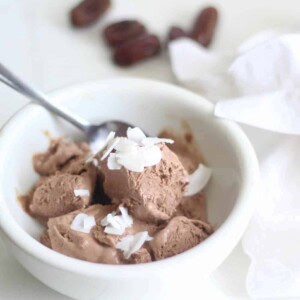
{"x":176,"y":33}
{"x":137,"y":49}
{"x":88,"y":11}
{"x":120,"y":32}
{"x":205,"y":25}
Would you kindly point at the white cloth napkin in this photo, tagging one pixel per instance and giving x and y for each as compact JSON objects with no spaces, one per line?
{"x":262,"y":80}
{"x":273,"y":238}
{"x":267,"y":77}
{"x":200,"y":69}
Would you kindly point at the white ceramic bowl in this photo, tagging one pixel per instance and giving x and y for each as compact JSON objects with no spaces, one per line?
{"x":153,"y":106}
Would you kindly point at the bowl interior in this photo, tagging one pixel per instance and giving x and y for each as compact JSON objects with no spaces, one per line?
{"x":152,"y":107}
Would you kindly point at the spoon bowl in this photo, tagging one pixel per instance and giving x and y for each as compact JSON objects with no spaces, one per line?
{"x":97,"y":134}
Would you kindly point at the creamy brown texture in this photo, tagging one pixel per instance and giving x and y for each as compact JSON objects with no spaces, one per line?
{"x":178,"y":236}
{"x":81,"y":245}
{"x":154,"y":198}
{"x":185,"y":149}
{"x":65,"y":170}
{"x":112,"y":240}
{"x":45,"y":239}
{"x":140,"y":256}
{"x":55,"y":195}
{"x":60,"y":153}
{"x":152,"y":195}
{"x":193,"y":207}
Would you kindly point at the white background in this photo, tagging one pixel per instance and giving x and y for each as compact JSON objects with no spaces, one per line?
{"x":39,"y":45}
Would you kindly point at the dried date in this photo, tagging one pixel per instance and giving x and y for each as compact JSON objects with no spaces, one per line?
{"x":88,"y":11}
{"x":137,"y":49}
{"x":120,"y":32}
{"x":205,"y":25}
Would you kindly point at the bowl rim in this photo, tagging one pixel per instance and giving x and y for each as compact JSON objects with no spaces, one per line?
{"x":239,"y":216}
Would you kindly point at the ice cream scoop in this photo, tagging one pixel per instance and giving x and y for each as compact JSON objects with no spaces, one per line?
{"x":152,"y":195}
{"x":178,"y":236}
{"x":61,"y":155}
{"x":60,"y":194}
{"x":77,"y":244}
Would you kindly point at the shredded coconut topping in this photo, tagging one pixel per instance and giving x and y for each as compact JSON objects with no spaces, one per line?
{"x":83,"y":223}
{"x":198,"y":180}
{"x":156,"y":140}
{"x":110,"y":147}
{"x":132,"y":243}
{"x":97,"y":143}
{"x":92,"y":159}
{"x":135,"y":134}
{"x":112,"y":162}
{"x":95,"y":162}
{"x":89,"y":158}
{"x":116,"y":224}
{"x":110,"y":137}
{"x":81,"y":193}
{"x":134,"y":152}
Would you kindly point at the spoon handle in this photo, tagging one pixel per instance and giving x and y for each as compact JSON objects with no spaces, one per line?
{"x":10,"y":79}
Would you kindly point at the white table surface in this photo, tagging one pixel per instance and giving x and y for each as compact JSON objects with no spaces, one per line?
{"x":38,"y":44}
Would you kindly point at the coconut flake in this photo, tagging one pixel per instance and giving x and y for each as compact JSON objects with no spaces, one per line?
{"x":83,"y":223}
{"x":110,"y":137}
{"x":126,"y":145}
{"x":97,"y":144}
{"x":132,"y":243}
{"x":133,"y":161}
{"x":156,"y":140}
{"x":111,"y":145}
{"x":113,"y":230}
{"x":116,"y":224}
{"x":95,"y":162}
{"x":92,"y":159}
{"x":134,"y":152}
{"x":89,"y":158}
{"x":139,"y":158}
{"x":135,"y":134}
{"x":127,"y":219}
{"x":81,"y":193}
{"x":198,"y":180}
{"x":89,"y":222}
{"x":112,"y":162}
{"x":151,"y":155}
{"x":105,"y":220}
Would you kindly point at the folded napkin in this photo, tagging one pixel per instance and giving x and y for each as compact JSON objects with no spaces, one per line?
{"x":267,"y":77}
{"x":258,"y":84}
{"x":272,"y":240}
{"x":261,"y":84}
{"x":200,"y":69}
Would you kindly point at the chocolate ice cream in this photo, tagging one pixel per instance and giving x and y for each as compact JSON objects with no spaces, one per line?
{"x":81,"y":245}
{"x":156,"y":207}
{"x":152,"y":195}
{"x":68,"y":180}
{"x":140,"y":256}
{"x":193,"y":207}
{"x":185,"y":149}
{"x":45,"y":239}
{"x":112,"y":240}
{"x":61,"y":152}
{"x":60,"y":194}
{"x":178,"y":236}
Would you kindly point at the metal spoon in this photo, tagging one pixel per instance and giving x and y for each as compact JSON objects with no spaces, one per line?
{"x":96,"y":134}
